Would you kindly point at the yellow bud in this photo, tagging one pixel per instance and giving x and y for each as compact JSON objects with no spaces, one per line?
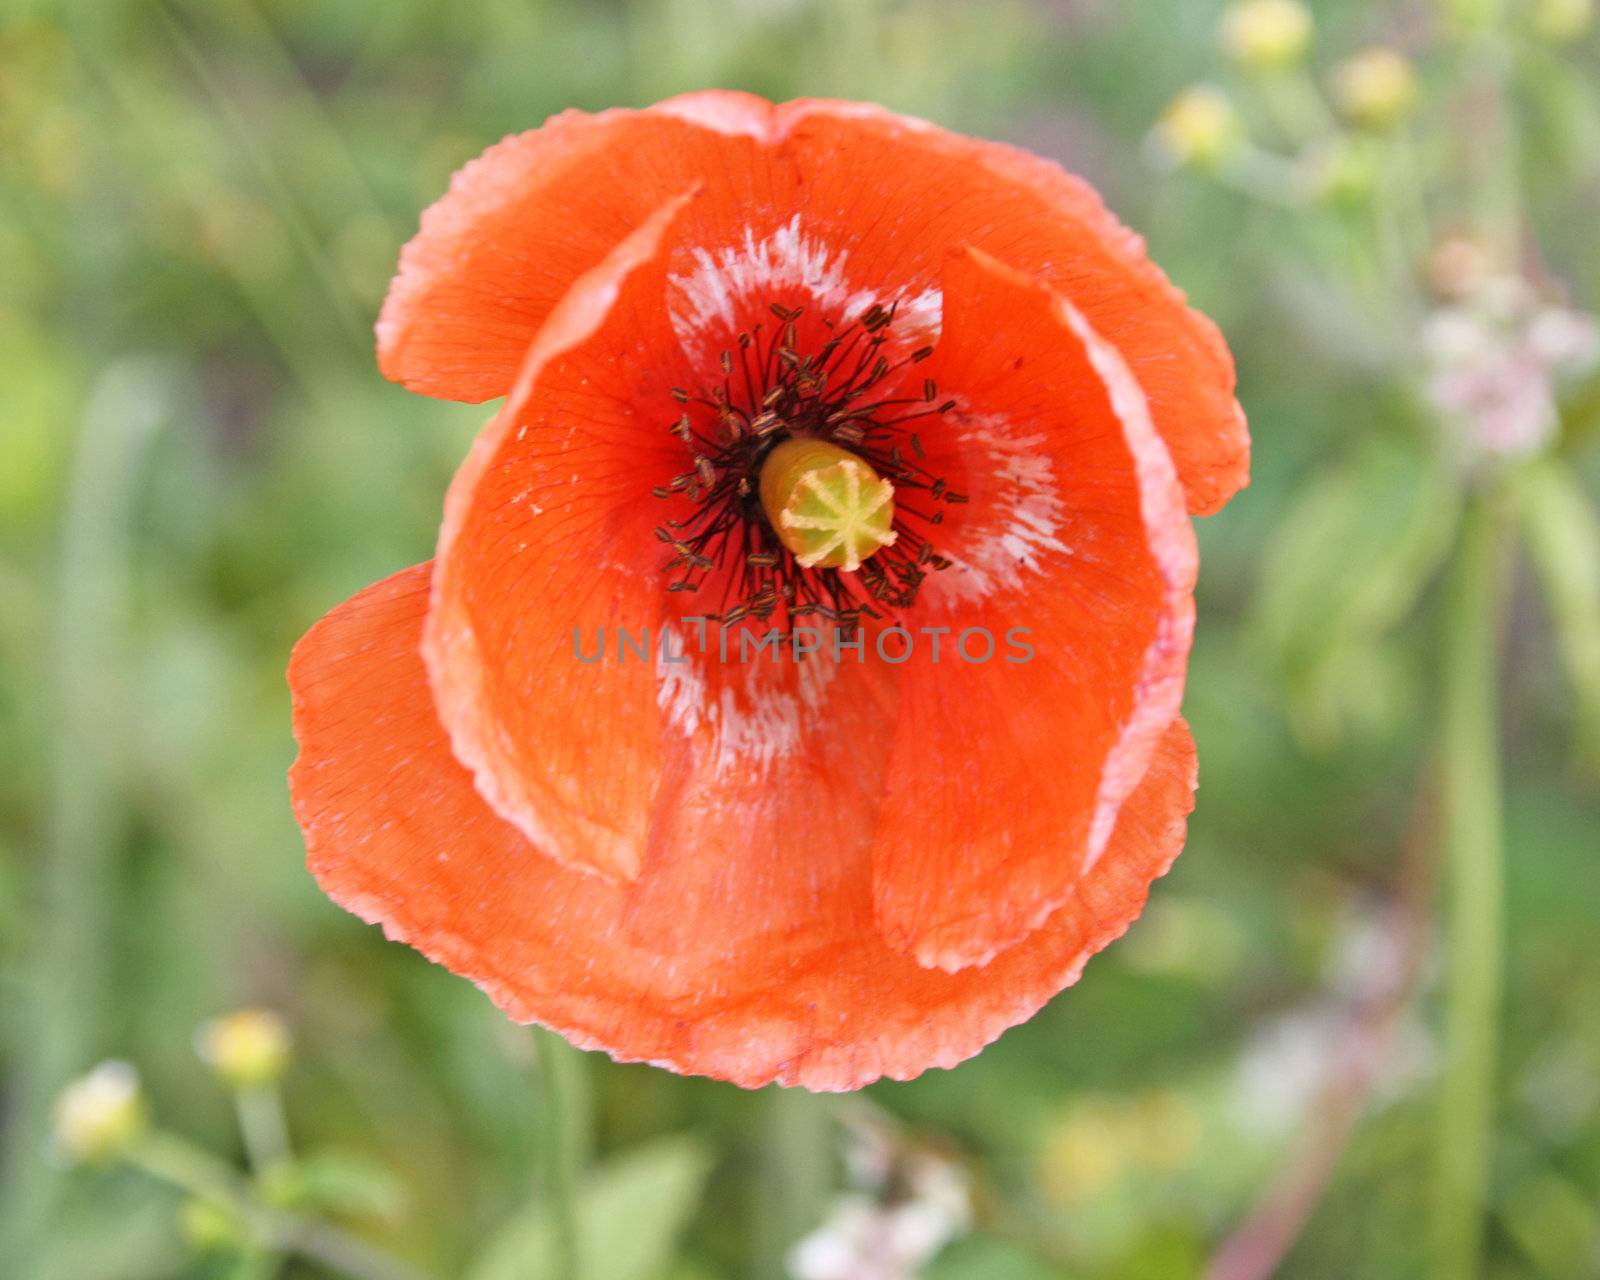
{"x":1376,"y":88}
{"x":101,"y":1115}
{"x":1084,"y":1152}
{"x":1265,"y":35}
{"x":249,"y":1047}
{"x":1200,"y":127}
{"x":209,"y":1226}
{"x":1170,"y":1131}
{"x":1561,"y":21}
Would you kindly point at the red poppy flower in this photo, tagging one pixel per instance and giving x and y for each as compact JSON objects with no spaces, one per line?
{"x":913,"y":400}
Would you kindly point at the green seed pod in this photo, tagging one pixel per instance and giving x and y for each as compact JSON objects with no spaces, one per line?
{"x":829,"y":507}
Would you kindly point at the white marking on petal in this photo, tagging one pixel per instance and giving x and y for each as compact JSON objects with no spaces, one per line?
{"x":760,"y":709}
{"x":1018,"y":485}
{"x":729,"y":285}
{"x":1159,"y":498}
{"x":680,"y":686}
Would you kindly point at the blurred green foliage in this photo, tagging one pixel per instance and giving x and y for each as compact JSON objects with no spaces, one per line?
{"x":202,"y":203}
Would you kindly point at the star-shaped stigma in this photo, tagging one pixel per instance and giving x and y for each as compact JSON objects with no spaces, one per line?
{"x":829,"y":507}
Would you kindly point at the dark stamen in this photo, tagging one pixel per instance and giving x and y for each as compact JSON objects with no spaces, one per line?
{"x":848,"y":391}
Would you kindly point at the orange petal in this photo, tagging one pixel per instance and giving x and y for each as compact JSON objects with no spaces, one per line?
{"x":759,"y":850}
{"x":878,"y":196}
{"x":534,"y":212}
{"x":1007,"y":774}
{"x":802,"y":990}
{"x":902,"y":193}
{"x":547,"y":549}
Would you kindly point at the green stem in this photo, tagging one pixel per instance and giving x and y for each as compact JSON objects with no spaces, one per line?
{"x":186,"y":1166}
{"x":795,"y":1174}
{"x":1474,"y":864}
{"x":340,"y":1252}
{"x":1401,"y":242}
{"x":1502,"y":192}
{"x":1265,"y":176}
{"x":566,"y":1139}
{"x":1407,"y":180}
{"x":69,"y":989}
{"x":1493,"y":148}
{"x":262,"y":1125}
{"x":1301,"y":111}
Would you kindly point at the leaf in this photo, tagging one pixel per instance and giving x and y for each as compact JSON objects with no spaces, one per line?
{"x":1345,"y":567}
{"x":630,"y":1216}
{"x":1562,"y":531}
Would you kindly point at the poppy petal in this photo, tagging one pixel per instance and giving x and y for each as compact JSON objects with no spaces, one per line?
{"x":546,"y":549}
{"x":903,"y":192}
{"x":535,"y":211}
{"x":723,"y":110}
{"x":824,"y":186}
{"x":398,"y":834}
{"x":1007,"y":774}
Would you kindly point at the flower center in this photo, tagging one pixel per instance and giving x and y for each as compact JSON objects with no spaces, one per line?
{"x":808,"y":477}
{"x":828,"y":506}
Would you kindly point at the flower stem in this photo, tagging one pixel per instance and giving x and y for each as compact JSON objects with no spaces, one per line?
{"x":261,"y":1122}
{"x":1472,"y":854}
{"x":180,"y":1163}
{"x":566,"y":1130}
{"x":198,"y":1172}
{"x":341,"y":1253}
{"x":1293,"y":97}
{"x":795,"y":1175}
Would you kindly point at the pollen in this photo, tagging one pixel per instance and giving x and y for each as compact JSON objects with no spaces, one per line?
{"x":827,"y":505}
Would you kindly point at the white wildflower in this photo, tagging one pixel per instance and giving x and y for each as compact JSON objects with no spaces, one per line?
{"x":906,"y":1206}
{"x":1496,"y":361}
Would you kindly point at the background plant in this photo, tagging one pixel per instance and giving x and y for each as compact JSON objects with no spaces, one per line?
{"x":1396,"y":688}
